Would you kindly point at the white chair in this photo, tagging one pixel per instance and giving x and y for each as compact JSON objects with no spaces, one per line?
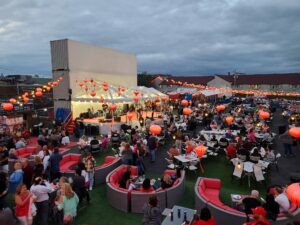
{"x":193,"y":165}
{"x":258,"y":173}
{"x":170,"y":165}
{"x":238,"y":169}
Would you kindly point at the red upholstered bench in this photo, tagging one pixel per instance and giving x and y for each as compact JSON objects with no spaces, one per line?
{"x":25,"y":152}
{"x":68,"y":161}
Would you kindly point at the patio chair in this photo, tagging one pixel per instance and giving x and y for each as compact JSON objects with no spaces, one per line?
{"x":170,"y":165}
{"x":193,"y":165}
{"x":238,"y":170}
{"x":275,"y":161}
{"x":258,"y":173}
{"x":254,"y":159}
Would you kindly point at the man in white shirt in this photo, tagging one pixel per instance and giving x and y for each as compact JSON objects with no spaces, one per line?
{"x":65,"y":140}
{"x":282,"y":200}
{"x":41,"y":190}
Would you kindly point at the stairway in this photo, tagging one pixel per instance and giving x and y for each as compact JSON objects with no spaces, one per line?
{"x":70,"y":127}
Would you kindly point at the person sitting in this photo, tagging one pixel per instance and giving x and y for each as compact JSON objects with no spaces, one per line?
{"x":166,"y":181}
{"x":104,"y":141}
{"x":202,"y":139}
{"x":223,"y":142}
{"x":271,"y":207}
{"x":189,"y":147}
{"x":270,"y":156}
{"x":173,"y":151}
{"x":94,"y":144}
{"x":20,"y":143}
{"x":146,"y":186}
{"x":282,"y":200}
{"x":231,"y":151}
{"x":205,"y":218}
{"x":83,"y":142}
{"x":259,"y":216}
{"x":65,"y":139}
{"x":251,"y":136}
{"x":250,"y":202}
{"x":228,"y":135}
{"x":125,"y":179}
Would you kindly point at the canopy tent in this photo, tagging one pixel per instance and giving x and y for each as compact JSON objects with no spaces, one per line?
{"x":207,"y":93}
{"x":84,"y":100}
{"x":114,"y":95}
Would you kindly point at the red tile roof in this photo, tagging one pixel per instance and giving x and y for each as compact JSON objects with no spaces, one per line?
{"x":269,"y":79}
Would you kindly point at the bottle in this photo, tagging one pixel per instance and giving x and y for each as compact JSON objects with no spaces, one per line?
{"x":179,"y":213}
{"x":172,"y":215}
{"x":184,"y":216}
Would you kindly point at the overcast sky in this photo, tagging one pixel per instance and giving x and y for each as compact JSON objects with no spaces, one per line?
{"x":181,"y":37}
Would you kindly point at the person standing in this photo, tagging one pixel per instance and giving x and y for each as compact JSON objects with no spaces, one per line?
{"x":287,"y":142}
{"x":152,"y":212}
{"x":22,"y":200}
{"x":54,"y":164}
{"x":69,"y":204}
{"x":6,"y":216}
{"x":16,"y":178}
{"x":90,"y":163}
{"x":41,"y":190}
{"x":152,"y":145}
{"x":3,"y":159}
{"x":27,"y":173}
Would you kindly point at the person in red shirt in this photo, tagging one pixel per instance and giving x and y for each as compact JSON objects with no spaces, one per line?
{"x":22,"y":200}
{"x":231,"y":151}
{"x":205,"y":218}
{"x":259,"y":215}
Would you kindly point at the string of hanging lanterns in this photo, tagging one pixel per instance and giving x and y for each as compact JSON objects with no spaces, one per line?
{"x":25,"y":96}
{"x":235,"y":91}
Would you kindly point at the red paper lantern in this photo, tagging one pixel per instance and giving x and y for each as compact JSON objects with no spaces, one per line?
{"x":129,"y":116}
{"x":157,"y":104}
{"x":39,"y":89}
{"x":105,"y":88}
{"x":94,"y":84}
{"x":7,"y":106}
{"x":123,"y":89}
{"x":136,"y":98}
{"x":155,"y":129}
{"x":81,"y":84}
{"x":38,"y":93}
{"x":12,"y":100}
{"x":61,"y":78}
{"x":119,"y":93}
{"x":48,"y":88}
{"x":220,"y":108}
{"x":293,"y":193}
{"x":136,"y":92}
{"x":187,"y":111}
{"x":164,"y":98}
{"x":264,"y":115}
{"x":55,"y":83}
{"x":101,"y":99}
{"x":25,"y":99}
{"x":105,"y":84}
{"x":26,"y":94}
{"x":142,"y":94}
{"x":49,"y":83}
{"x":229,"y":120}
{"x":184,"y":102}
{"x":200,"y":150}
{"x":86,"y":80}
{"x":93,"y":93}
{"x":295,"y":132}
{"x":113,"y":107}
{"x":86,"y":88}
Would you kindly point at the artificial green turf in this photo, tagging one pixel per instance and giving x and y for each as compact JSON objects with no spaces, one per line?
{"x":100,"y":212}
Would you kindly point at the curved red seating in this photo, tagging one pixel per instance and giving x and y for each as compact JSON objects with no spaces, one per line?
{"x":68,"y":161}
{"x":25,"y":152}
{"x":110,"y":163}
{"x":133,"y":201}
{"x":207,"y":194}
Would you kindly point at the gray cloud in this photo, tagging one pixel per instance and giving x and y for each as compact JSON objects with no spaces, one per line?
{"x":170,"y":36}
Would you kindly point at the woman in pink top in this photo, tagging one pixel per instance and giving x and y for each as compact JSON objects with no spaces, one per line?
{"x":251,"y":136}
